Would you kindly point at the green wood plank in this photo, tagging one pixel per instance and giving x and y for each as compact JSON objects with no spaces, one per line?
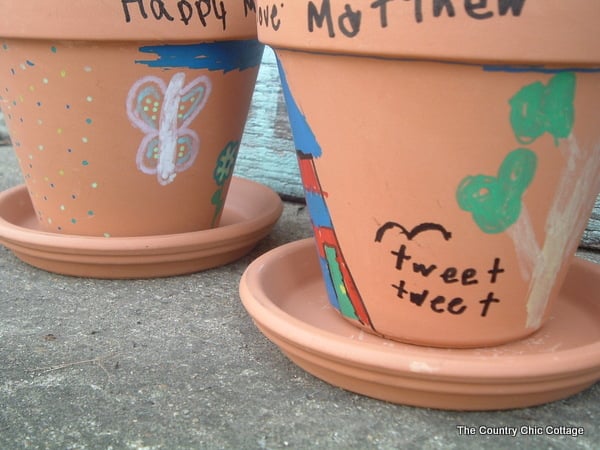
{"x":267,"y":153}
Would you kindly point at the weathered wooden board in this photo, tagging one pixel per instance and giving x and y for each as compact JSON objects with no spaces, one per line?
{"x":267,"y":153}
{"x":591,"y":235}
{"x":4,"y":139}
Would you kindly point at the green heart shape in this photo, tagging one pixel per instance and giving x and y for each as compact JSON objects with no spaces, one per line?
{"x":496,"y":202}
{"x":538,"y":108}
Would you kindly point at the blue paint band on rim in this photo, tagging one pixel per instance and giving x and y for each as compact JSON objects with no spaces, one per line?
{"x":215,"y":56}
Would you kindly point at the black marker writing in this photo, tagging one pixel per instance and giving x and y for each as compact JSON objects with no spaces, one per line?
{"x":411,"y":290}
{"x":347,"y":19}
{"x":186,"y":10}
{"x":267,"y":16}
{"x":411,"y":234}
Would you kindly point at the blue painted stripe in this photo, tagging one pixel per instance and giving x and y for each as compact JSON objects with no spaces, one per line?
{"x":317,"y":208}
{"x":223,"y":55}
{"x":304,"y":138}
{"x":539,"y":69}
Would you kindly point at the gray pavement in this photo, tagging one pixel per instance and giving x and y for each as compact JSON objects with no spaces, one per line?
{"x":177,"y":363}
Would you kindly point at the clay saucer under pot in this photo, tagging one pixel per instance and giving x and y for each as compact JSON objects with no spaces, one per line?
{"x":249,"y":214}
{"x":285,"y":294}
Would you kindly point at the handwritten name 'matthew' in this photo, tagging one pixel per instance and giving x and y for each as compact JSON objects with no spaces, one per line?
{"x":347,"y":19}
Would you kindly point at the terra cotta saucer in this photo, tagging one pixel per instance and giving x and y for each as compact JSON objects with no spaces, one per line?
{"x":250,"y":212}
{"x":283,"y":292}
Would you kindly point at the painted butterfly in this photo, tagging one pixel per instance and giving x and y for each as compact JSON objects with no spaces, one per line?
{"x":164,"y":113}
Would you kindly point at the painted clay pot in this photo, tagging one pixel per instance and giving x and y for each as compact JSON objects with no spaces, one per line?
{"x":449,"y":152}
{"x":126,"y":116}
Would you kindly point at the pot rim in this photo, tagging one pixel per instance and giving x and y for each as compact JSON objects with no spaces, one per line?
{"x":552,"y":32}
{"x":123,"y":20}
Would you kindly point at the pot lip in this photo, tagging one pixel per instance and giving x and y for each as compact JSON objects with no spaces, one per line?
{"x":146,"y":38}
{"x":92,"y":20}
{"x":544,"y":32}
{"x":488,"y":64}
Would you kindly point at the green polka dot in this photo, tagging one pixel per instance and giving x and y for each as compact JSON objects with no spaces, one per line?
{"x":90,"y":213}
{"x":84,"y":163}
{"x":53,"y":49}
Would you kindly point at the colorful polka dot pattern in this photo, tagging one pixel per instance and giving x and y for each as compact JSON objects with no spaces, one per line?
{"x":32,"y":147}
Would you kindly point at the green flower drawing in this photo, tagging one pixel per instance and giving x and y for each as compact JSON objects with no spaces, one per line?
{"x":544,"y":108}
{"x":226,"y":162}
{"x":221,"y":174}
{"x":496,"y":201}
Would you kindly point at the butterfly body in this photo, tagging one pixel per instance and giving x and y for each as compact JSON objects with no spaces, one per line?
{"x":164,"y":113}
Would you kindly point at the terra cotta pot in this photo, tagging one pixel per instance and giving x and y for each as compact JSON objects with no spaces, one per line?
{"x":450,"y":155}
{"x":126,"y":117}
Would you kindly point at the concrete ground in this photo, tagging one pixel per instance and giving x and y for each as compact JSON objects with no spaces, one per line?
{"x":178,"y":363}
